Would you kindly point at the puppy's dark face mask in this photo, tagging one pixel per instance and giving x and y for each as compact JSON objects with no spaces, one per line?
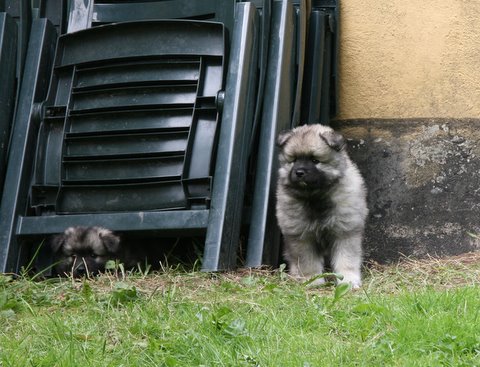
{"x":310,"y":163}
{"x":80,"y":263}
{"x":305,"y":175}
{"x":81,"y":251}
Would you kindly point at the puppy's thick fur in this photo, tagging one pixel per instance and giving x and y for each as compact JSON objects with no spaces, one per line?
{"x":84,"y":251}
{"x":321,"y":203}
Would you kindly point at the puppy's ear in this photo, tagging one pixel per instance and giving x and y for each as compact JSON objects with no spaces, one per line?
{"x":110,"y":241}
{"x":283,"y":137}
{"x":333,"y":139}
{"x":56,"y":242}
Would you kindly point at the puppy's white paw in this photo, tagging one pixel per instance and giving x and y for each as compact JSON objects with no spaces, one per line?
{"x":353,"y":279}
{"x":315,"y":282}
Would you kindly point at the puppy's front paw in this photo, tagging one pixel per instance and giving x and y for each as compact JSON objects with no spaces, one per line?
{"x":315,"y":281}
{"x":353,"y":279}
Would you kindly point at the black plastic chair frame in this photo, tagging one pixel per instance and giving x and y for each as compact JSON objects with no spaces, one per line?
{"x":8,"y":46}
{"x":128,"y":124}
{"x":85,"y":14}
{"x":254,"y":111}
{"x":218,"y":222}
{"x":25,"y":129}
{"x":15,"y":22}
{"x":300,"y":88}
{"x":264,"y":235}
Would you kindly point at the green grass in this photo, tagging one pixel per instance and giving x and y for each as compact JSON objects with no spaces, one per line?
{"x":411,"y":314}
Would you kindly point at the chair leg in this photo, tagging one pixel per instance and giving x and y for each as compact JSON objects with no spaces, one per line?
{"x":223,"y":230}
{"x":33,"y":90}
{"x":264,"y":237}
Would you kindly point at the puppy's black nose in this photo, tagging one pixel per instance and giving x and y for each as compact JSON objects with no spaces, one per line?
{"x":80,"y":270}
{"x":300,"y":172}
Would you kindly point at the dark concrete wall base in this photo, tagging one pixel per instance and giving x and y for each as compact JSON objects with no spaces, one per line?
{"x":423,"y":179}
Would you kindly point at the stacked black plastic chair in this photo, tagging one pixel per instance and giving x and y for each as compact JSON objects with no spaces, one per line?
{"x":143,"y":117}
{"x":300,"y":88}
{"x":136,"y":124}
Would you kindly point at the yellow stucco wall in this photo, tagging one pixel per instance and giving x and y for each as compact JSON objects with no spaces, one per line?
{"x":409,"y":58}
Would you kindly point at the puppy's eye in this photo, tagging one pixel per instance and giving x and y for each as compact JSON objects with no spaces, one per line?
{"x":93,"y":255}
{"x":315,"y":161}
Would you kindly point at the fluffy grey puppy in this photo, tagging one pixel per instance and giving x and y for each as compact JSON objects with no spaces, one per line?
{"x":321,"y":203}
{"x":81,"y":251}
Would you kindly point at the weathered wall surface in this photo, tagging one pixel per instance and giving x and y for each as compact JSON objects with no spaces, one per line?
{"x":423,"y":180}
{"x":410,"y":103}
{"x":409,"y":59}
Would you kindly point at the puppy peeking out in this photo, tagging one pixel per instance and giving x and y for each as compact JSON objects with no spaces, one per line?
{"x":84,"y":251}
